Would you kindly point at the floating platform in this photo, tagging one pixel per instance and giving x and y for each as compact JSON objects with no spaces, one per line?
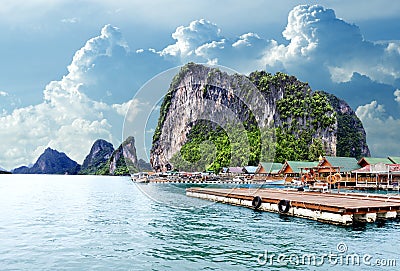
{"x":333,"y":208}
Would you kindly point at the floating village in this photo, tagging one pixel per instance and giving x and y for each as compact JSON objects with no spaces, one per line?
{"x":368,"y":173}
{"x":326,"y":190}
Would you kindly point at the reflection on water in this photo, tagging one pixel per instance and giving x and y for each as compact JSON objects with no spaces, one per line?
{"x":106,"y":223}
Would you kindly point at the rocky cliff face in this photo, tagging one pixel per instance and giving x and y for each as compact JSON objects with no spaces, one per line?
{"x":124,"y":158}
{"x":51,"y":162}
{"x":300,"y":116}
{"x":144,"y":166}
{"x":99,"y":154}
{"x":200,"y":93}
{"x":351,"y":136}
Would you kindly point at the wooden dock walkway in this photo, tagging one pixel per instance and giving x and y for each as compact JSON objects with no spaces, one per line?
{"x":343,"y":209}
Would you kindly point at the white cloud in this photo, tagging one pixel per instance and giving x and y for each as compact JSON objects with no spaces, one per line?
{"x":103,"y":45}
{"x":3,"y":94}
{"x":397,"y":95}
{"x":246,"y":40}
{"x":382,"y":130}
{"x":67,"y":119}
{"x":89,"y":101}
{"x":122,"y":109}
{"x":70,"y":20}
{"x":372,"y":110}
{"x":317,"y":38}
{"x":79,"y":135}
{"x":202,"y":41}
{"x":189,"y":38}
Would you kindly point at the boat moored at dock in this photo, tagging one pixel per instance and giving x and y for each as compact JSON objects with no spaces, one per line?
{"x":141,"y":177}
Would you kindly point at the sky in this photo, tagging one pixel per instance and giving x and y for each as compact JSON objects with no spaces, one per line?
{"x":70,"y":69}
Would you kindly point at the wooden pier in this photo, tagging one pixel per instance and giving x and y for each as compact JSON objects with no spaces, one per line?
{"x":333,"y":208}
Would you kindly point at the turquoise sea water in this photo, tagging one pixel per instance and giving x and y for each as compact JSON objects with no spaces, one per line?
{"x":107,"y":223}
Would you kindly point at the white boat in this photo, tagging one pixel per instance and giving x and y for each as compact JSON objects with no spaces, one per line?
{"x":319,"y":187}
{"x":141,"y":177}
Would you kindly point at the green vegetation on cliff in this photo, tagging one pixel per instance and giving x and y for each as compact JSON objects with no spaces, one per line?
{"x":97,"y":158}
{"x":351,"y":140}
{"x":210,"y":147}
{"x":307,"y":124}
{"x":302,"y":114}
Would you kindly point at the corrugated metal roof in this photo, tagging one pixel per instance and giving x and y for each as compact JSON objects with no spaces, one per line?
{"x":378,"y":168}
{"x":250,"y":169}
{"x":376,"y":160}
{"x":297,"y":165}
{"x":235,"y":169}
{"x":270,"y":167}
{"x":346,"y":164}
{"x":366,"y":169}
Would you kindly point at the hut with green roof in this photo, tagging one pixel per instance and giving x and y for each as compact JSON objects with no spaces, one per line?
{"x":296,"y":168}
{"x":365,"y":161}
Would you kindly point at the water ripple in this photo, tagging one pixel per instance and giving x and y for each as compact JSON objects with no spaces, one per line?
{"x":106,"y":223}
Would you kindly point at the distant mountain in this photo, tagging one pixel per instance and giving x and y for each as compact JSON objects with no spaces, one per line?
{"x":144,"y":166}
{"x":21,"y":170}
{"x":4,"y":171}
{"x":101,"y":160}
{"x":124,"y":159}
{"x":97,"y":158}
{"x":51,"y":162}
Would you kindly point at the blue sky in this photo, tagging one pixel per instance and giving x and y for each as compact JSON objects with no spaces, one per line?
{"x":70,"y":68}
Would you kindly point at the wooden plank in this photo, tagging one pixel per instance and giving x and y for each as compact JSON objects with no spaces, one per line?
{"x":337,"y":203}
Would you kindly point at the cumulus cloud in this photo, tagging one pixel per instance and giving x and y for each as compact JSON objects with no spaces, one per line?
{"x":202,"y":41}
{"x":110,"y":39}
{"x":318,"y":38}
{"x":372,"y":110}
{"x":382,"y":129}
{"x":87,"y":103}
{"x":189,"y":38}
{"x":90,"y":100}
{"x":67,"y":119}
{"x":3,"y":94}
{"x":397,"y":95}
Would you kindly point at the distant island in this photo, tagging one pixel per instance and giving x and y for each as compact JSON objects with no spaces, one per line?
{"x":306,"y":124}
{"x":102,"y":159}
{"x":3,"y":171}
